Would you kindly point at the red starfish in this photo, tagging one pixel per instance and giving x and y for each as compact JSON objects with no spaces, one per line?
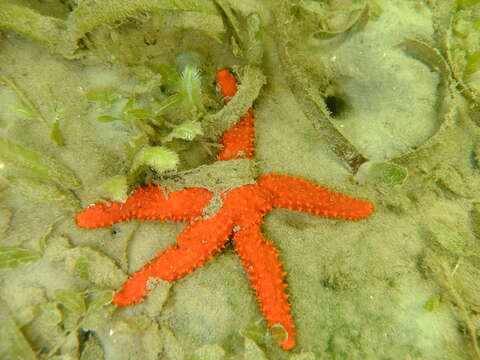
{"x":239,"y":218}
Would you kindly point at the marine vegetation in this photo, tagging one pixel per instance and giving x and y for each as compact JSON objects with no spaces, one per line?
{"x":106,"y":100}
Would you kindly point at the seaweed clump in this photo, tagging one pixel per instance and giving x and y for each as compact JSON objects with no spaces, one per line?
{"x":464,"y":47}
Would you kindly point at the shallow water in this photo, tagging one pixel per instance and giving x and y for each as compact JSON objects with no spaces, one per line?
{"x":347,"y":103}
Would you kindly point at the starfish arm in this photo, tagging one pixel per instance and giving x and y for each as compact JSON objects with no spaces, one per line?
{"x":195,"y":245}
{"x":101,"y":215}
{"x":295,"y":193}
{"x":227,"y":84}
{"x":238,"y":141}
{"x":260,"y":260}
{"x":147,"y":203}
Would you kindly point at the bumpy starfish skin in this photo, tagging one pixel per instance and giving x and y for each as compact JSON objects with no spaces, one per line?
{"x":147,"y":203}
{"x":295,"y":193}
{"x":260,"y":260}
{"x":239,"y":219}
{"x":195,"y":245}
{"x":239,"y":139}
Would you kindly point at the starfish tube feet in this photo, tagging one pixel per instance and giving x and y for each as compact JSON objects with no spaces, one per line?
{"x":294,"y":193}
{"x":195,"y":245}
{"x":260,"y":260}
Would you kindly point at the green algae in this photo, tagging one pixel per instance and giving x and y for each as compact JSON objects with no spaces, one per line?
{"x":432,"y":303}
{"x":190,"y":89}
{"x":99,"y":300}
{"x":158,"y":158}
{"x":116,"y":188}
{"x":187,"y":130}
{"x":29,"y":111}
{"x":463,"y":49}
{"x":93,"y":349}
{"x":247,"y":33}
{"x":14,"y":345}
{"x":102,"y":271}
{"x":385,"y":173}
{"x":42,"y":191}
{"x":253,"y":351}
{"x":91,"y":14}
{"x":327,"y":17}
{"x":38,"y":165}
{"x":63,"y":36}
{"x":71,"y":300}
{"x":49,"y":313}
{"x":162,"y":124}
{"x":47,"y":30}
{"x":5,"y":218}
{"x":11,"y":257}
{"x":466,"y":3}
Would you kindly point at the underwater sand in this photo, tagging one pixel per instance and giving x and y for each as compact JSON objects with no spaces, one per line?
{"x":402,"y":284}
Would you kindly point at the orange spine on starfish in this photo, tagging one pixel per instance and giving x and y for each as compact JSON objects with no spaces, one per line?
{"x":260,"y":260}
{"x":294,"y":193}
{"x":147,"y":203}
{"x":195,"y":245}
{"x":239,"y":139}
